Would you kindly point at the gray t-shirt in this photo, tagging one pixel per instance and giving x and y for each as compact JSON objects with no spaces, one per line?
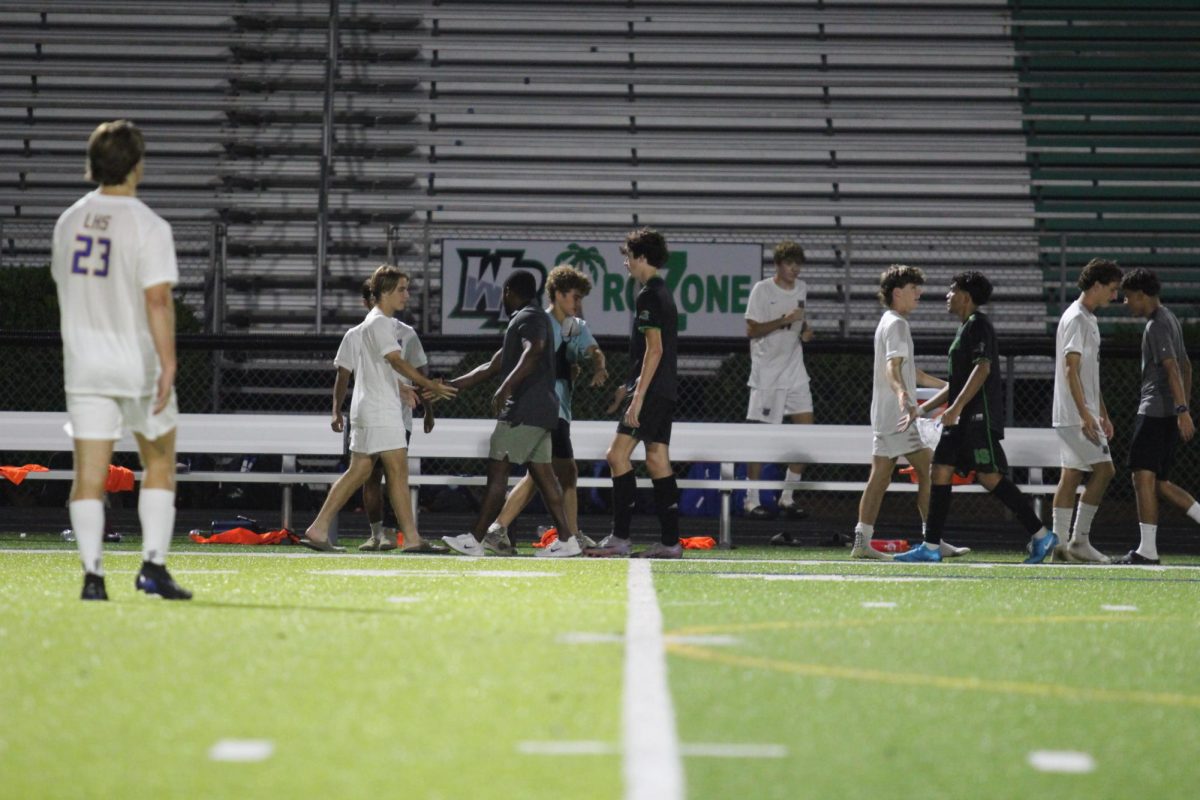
{"x":1162,"y":339}
{"x":533,"y":402}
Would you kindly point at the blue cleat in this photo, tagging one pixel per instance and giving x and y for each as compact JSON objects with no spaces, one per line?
{"x":920,"y":554}
{"x":1040,"y":548}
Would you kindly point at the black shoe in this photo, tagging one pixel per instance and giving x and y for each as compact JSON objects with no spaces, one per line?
{"x":93,"y":587}
{"x":1134,"y":557}
{"x":112,"y":536}
{"x":784,"y":539}
{"x":759,"y":512}
{"x":154,"y":579}
{"x":793,"y":511}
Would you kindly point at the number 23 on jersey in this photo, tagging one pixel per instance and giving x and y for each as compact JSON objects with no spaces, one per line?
{"x":91,"y":256}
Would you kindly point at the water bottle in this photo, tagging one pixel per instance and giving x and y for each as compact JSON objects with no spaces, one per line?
{"x":68,"y":535}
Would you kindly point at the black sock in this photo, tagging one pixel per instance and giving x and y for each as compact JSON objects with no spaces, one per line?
{"x":666,"y":504}
{"x":623,"y":497}
{"x":939,"y":507}
{"x":1007,"y":492}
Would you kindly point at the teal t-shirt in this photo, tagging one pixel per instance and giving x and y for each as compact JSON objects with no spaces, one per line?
{"x":569,"y":349}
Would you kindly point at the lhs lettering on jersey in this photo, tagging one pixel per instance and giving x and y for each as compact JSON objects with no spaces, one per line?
{"x":98,"y":222}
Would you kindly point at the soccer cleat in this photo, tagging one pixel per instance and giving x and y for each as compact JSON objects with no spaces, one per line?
{"x":610,"y":547}
{"x":1060,"y":554}
{"x":370,"y":545}
{"x":862,"y":549}
{"x":154,"y":579}
{"x":659,"y":550}
{"x":585,"y":541}
{"x":950,"y":551}
{"x":759,"y":512}
{"x":93,"y":587}
{"x":496,"y":541}
{"x":465,"y":543}
{"x":560,"y":549}
{"x":1134,"y":557}
{"x":1040,"y":548}
{"x":784,"y":539}
{"x":920,"y":555}
{"x":1084,"y":553}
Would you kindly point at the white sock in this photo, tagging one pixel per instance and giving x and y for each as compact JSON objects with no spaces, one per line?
{"x":377,"y":530}
{"x":864,"y":531}
{"x":788,"y":496}
{"x":1149,"y":545}
{"x":1083,"y":522}
{"x":87,"y":521}
{"x":1194,"y":511}
{"x":933,"y":545}
{"x":1041,"y":534}
{"x":156,"y":511}
{"x":752,"y":500}
{"x":1062,"y":523}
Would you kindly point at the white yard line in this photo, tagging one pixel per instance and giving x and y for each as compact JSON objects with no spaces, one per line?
{"x":652,"y":764}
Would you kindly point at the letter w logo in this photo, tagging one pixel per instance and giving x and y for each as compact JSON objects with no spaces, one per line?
{"x":481,"y":283}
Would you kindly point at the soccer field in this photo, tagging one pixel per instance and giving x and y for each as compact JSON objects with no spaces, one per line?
{"x":379,"y":675}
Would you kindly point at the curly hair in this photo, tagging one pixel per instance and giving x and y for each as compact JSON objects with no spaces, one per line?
{"x":113,"y":150}
{"x":787,"y":250}
{"x":648,"y":244}
{"x":1142,"y":280}
{"x":975,"y":284}
{"x":1098,"y":270}
{"x":895,"y":277}
{"x":566,"y":278}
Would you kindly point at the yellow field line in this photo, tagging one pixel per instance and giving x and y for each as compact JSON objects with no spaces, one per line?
{"x":1052,"y":690}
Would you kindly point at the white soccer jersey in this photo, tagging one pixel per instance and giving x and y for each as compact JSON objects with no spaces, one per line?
{"x":107,"y":250}
{"x":362,"y":352}
{"x":893,"y":339}
{"x":777,"y":359}
{"x":1078,"y":332}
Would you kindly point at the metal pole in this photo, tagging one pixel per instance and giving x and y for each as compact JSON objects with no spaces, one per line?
{"x":427,"y":252}
{"x":1062,"y":273}
{"x":846,"y":286}
{"x":331,"y":65}
{"x":1010,"y":389}
{"x":220,"y":259}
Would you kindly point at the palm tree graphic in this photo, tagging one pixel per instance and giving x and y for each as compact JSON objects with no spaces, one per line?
{"x":585,"y":259}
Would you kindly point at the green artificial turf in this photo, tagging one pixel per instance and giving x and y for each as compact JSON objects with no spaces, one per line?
{"x":429,"y":677}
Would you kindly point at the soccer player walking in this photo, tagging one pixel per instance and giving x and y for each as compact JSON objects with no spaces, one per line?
{"x":649,"y":407}
{"x":114,"y":265}
{"x":377,"y":414}
{"x":526,"y":412}
{"x":1163,"y":416}
{"x":972,"y":426}
{"x":1080,"y":417}
{"x":894,"y":404}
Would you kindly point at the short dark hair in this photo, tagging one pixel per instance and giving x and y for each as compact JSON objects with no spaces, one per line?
{"x":1098,"y":270}
{"x":787,"y":250}
{"x":1141,"y":280}
{"x":113,"y":150}
{"x":566,"y":278}
{"x":522,"y":284}
{"x":385,"y":279}
{"x":975,"y":284}
{"x":648,"y":244}
{"x":895,"y":277}
{"x":368,"y":294}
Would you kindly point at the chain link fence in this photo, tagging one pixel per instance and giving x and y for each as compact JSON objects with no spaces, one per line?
{"x":298,"y":378}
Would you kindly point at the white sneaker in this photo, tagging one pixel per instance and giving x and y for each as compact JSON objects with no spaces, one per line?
{"x":585,"y":541}
{"x":465,"y":543}
{"x":560,"y":549}
{"x":370,"y":545}
{"x":863,"y":549}
{"x":496,"y":541}
{"x":1084,"y":553}
{"x":950,"y":551}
